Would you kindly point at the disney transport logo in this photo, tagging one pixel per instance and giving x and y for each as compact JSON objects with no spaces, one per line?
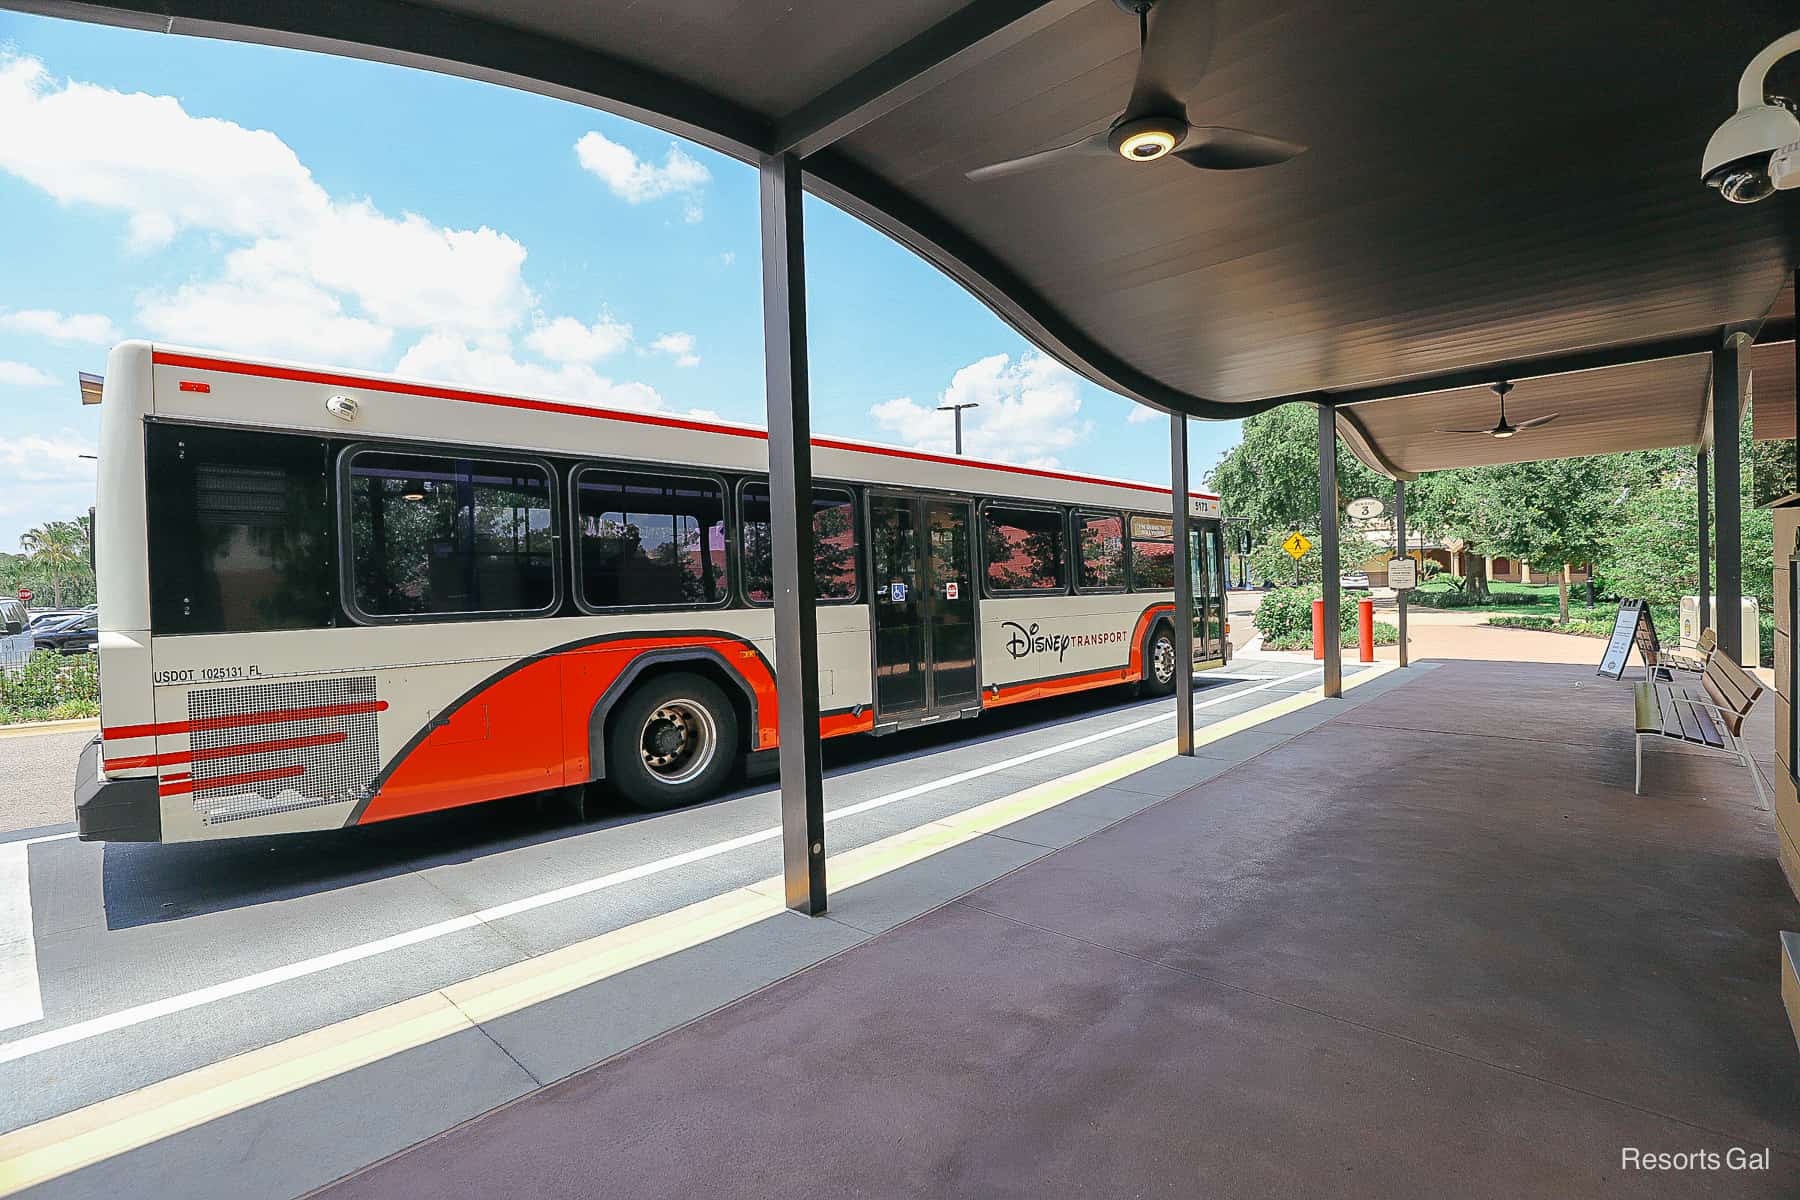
{"x":1024,"y":640}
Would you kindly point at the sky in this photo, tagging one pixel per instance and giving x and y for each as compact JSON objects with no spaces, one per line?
{"x":281,"y":204}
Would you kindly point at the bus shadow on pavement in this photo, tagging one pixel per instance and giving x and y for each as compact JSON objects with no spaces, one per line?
{"x":149,"y":883}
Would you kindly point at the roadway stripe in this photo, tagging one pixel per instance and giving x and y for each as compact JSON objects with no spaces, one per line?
{"x":58,"y":1145}
{"x":125,"y":1018}
{"x":20,"y":1000}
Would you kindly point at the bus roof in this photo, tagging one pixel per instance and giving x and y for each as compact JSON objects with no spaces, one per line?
{"x":329,"y":376}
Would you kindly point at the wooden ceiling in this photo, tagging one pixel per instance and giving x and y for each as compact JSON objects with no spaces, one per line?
{"x":1487,"y":185}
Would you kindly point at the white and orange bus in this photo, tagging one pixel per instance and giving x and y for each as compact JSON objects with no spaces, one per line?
{"x":330,"y":599}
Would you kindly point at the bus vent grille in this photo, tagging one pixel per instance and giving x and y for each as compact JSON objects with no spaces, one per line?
{"x":274,"y":748}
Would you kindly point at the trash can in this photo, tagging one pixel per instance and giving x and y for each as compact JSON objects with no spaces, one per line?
{"x":1750,"y":626}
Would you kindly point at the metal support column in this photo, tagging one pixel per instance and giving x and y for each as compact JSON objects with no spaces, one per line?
{"x":1400,"y":549}
{"x":1729,"y":366}
{"x":1703,"y":482}
{"x":790,"y":504}
{"x":1184,"y":586}
{"x":1328,"y":549}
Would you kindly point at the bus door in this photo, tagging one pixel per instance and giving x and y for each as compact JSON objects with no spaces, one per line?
{"x":923,"y":608}
{"x":1205,"y":559}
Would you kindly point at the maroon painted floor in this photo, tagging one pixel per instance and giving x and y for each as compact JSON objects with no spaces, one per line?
{"x":1435,"y":947}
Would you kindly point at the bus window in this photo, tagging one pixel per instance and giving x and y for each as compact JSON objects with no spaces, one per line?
{"x":1023,"y":548}
{"x":1152,"y":554}
{"x":438,"y":536}
{"x":240,"y":531}
{"x":1100,"y":563}
{"x":834,"y":544}
{"x":648,"y":541}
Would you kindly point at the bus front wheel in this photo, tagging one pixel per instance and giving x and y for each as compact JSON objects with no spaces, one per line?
{"x":1159,"y":663}
{"x":672,"y":741}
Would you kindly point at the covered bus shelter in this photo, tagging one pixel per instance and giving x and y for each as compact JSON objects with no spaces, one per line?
{"x":1376,"y":209}
{"x":1438,"y":199}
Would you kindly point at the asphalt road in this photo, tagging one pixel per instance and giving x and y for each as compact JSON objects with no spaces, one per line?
{"x":37,"y":778}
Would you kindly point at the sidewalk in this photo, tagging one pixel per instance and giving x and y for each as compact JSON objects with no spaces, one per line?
{"x":1433,"y":946}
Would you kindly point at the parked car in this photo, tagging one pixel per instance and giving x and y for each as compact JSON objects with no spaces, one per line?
{"x":16,"y":642}
{"x":43,"y":618}
{"x":1354,"y":581}
{"x":76,"y":634}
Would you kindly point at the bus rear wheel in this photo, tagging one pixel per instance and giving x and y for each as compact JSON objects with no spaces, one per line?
{"x":1159,"y":663}
{"x":671,"y":742}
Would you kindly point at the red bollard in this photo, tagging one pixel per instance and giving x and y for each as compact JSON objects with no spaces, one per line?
{"x":1365,"y":629}
{"x":1318,"y":629}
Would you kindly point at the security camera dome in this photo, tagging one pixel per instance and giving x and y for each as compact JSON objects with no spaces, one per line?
{"x":1737,"y":157}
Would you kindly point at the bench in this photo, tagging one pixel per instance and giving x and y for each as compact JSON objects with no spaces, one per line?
{"x":1713,"y":719}
{"x":1695,"y":659}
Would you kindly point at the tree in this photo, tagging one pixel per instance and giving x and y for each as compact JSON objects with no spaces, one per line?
{"x":1271,"y":477}
{"x":57,"y":551}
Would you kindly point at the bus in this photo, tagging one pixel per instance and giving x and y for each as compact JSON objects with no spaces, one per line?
{"x":329,"y":599}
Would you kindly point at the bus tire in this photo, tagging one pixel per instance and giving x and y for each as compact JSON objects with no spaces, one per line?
{"x":1159,"y":661}
{"x":672,"y":741}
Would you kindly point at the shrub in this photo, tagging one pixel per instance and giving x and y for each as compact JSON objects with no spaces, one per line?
{"x":1506,"y":621}
{"x":1286,"y":615}
{"x":51,"y":687}
{"x":1385,"y":635}
{"x":1287,"y":612}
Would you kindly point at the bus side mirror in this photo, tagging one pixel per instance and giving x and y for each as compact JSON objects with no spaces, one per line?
{"x":15,"y":627}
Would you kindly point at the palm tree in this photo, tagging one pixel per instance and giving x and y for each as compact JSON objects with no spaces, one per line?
{"x":58,"y":549}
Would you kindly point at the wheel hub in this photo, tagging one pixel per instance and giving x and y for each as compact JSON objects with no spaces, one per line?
{"x":678,"y":741}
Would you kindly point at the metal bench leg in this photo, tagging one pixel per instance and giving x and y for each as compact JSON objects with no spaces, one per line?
{"x":1756,"y":776}
{"x":1637,"y":786}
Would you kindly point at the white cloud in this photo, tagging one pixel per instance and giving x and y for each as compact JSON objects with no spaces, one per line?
{"x":146,"y":155}
{"x":18,"y":374}
{"x":1143,"y":414}
{"x":34,"y":458}
{"x":492,"y":365}
{"x":1030,"y":412}
{"x":636,"y":180}
{"x":727,"y":258}
{"x":318,"y":278}
{"x":567,"y":340}
{"x":252,"y":309}
{"x":679,"y":346}
{"x":75,"y":327}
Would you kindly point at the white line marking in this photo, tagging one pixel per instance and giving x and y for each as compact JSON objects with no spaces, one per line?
{"x":138,"y":1014}
{"x":20,"y":1000}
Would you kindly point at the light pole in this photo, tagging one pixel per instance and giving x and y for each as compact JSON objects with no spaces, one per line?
{"x":958,"y":410}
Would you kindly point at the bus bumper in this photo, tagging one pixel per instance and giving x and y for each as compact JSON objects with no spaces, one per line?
{"x":114,"y":810}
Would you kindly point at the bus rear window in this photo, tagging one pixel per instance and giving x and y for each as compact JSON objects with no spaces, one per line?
{"x":435,"y":536}
{"x":240,"y":531}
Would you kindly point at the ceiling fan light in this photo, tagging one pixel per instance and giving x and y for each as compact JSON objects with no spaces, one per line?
{"x":1151,"y":143}
{"x":1147,"y":138}
{"x":1504,"y":433}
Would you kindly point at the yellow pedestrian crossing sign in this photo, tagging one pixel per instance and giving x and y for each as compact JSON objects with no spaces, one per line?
{"x":1296,"y":545}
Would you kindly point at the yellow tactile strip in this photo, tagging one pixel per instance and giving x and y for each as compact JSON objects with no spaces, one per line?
{"x":58,"y":1145}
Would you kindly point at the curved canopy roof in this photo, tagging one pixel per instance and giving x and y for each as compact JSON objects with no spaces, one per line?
{"x":1487,"y":186}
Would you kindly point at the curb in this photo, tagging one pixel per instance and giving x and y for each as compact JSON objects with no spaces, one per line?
{"x":28,"y":728}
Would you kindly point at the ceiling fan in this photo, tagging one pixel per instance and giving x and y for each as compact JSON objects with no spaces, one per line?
{"x":1154,"y":123}
{"x":1504,"y":430}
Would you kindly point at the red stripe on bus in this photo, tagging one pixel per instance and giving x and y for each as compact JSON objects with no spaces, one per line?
{"x":277,"y":716}
{"x":216,"y":752}
{"x":1045,"y":688}
{"x":177,"y":787}
{"x":429,"y":391}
